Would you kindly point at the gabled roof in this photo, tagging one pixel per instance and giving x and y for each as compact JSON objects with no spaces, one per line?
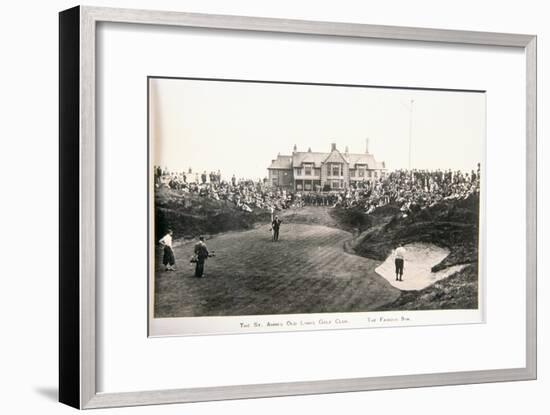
{"x":335,"y":157}
{"x":281,"y":162}
{"x":300,"y":157}
{"x":368,"y":159}
{"x":308,"y":157}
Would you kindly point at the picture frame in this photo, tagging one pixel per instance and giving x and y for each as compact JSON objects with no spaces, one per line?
{"x":78,"y":164}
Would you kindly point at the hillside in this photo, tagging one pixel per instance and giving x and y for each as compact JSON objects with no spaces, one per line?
{"x":453,"y":224}
{"x":190,"y":215}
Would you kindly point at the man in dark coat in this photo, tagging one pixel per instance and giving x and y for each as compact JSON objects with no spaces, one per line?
{"x":275,"y":225}
{"x":201,"y":252}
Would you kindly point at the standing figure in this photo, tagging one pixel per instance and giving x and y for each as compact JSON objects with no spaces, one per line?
{"x":169,"y":260}
{"x":399,"y":262}
{"x":201,"y":252}
{"x":275,"y":225}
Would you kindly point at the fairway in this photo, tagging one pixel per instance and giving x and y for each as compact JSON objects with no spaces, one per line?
{"x":307,"y":271}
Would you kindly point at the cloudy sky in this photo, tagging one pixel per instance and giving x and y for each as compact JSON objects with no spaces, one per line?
{"x":239,"y":127}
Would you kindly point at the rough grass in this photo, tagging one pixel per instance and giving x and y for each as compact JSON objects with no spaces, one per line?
{"x":451,"y":224}
{"x":255,"y":276}
{"x":459,"y":291}
{"x":190,"y":215}
{"x":355,"y":220}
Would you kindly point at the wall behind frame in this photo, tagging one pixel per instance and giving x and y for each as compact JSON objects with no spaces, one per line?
{"x":29,"y":210}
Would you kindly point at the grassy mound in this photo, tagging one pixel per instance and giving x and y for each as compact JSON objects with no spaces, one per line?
{"x":453,"y":224}
{"x":355,"y":219}
{"x":459,"y":291}
{"x":190,"y":215}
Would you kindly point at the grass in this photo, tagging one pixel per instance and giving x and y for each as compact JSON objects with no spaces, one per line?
{"x":451,"y":224}
{"x":308,"y":271}
{"x":459,"y":291}
{"x":190,"y":215}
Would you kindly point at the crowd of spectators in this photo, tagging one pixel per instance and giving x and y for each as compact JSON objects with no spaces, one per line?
{"x":410,"y":190}
{"x":246,"y":194}
{"x":413,"y":190}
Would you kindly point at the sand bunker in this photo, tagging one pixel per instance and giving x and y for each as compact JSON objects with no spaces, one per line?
{"x":419,"y":260}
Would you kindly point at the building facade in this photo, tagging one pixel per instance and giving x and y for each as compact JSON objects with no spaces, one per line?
{"x":314,"y":171}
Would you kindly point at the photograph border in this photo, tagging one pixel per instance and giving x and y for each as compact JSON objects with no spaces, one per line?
{"x":77,"y":205}
{"x":151,"y":245}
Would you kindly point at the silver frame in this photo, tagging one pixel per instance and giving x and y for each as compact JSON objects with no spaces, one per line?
{"x":88,"y":18}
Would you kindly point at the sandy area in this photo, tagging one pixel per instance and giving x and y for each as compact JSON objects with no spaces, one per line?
{"x":419,"y":260}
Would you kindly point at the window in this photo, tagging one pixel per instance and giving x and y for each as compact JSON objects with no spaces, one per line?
{"x":335,"y":170}
{"x":275,"y":181}
{"x":298,"y":172}
{"x":361,"y":172}
{"x":352,"y":173}
{"x":308,"y":170}
{"x":307,"y":186}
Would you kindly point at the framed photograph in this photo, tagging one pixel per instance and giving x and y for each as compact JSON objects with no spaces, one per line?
{"x":312,"y":239}
{"x":254,"y":207}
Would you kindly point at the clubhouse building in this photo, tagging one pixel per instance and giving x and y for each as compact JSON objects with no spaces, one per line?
{"x":314,"y":171}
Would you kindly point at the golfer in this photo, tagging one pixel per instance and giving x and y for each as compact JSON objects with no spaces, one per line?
{"x":201,"y":253}
{"x":169,"y":260}
{"x":275,"y":225}
{"x":399,"y":262}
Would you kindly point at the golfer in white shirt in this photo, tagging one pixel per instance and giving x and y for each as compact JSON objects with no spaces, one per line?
{"x":169,"y":260}
{"x":399,"y":262}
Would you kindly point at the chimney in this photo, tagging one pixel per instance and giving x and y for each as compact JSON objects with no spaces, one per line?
{"x":347,"y":151}
{"x":367,"y":147}
{"x":333,"y":147}
{"x":309,"y":149}
{"x":295,"y":148}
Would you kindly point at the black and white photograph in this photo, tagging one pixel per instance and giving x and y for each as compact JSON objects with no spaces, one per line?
{"x":288,"y":207}
{"x":276,"y":198}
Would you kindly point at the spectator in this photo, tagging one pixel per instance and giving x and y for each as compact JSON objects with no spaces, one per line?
{"x":408,"y":190}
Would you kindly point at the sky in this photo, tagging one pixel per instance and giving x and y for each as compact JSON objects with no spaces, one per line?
{"x":239,"y":127}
